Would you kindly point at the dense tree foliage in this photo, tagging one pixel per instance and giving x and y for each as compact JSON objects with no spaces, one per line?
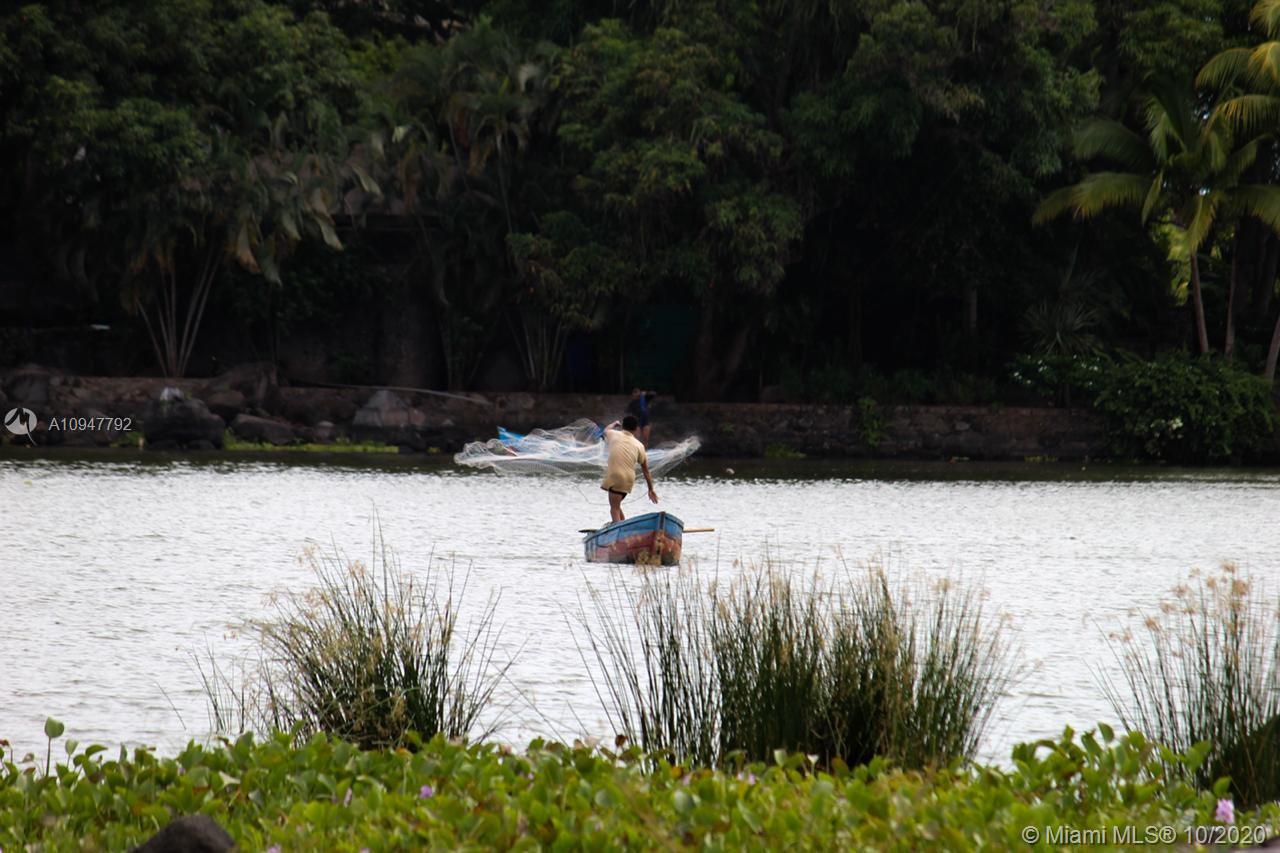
{"x":822,"y":200}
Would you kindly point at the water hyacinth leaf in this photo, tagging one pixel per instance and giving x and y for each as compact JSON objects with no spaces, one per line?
{"x":749,"y":817}
{"x":1197,"y":754}
{"x":314,"y":812}
{"x":54,"y":729}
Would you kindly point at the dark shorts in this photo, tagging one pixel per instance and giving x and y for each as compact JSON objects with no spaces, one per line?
{"x":616,"y":492}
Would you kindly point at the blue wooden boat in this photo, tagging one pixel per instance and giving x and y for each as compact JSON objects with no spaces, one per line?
{"x":652,"y":539}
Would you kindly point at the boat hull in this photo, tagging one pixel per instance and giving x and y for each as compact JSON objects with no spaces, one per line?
{"x":652,"y":539}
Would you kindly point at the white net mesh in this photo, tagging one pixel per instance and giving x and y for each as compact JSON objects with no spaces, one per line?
{"x":575,"y":449}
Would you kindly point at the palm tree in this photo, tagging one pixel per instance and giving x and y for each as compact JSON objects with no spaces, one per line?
{"x":470,"y":108}
{"x":1184,"y":169}
{"x":251,"y":207}
{"x":1252,"y":76}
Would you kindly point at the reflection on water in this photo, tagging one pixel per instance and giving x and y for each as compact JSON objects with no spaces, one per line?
{"x":115,"y":573}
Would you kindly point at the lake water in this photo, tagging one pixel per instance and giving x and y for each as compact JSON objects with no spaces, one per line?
{"x":117,"y":569}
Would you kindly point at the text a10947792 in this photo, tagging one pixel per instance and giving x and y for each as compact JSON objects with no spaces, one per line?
{"x":90,"y":424}
{"x":23,"y":422}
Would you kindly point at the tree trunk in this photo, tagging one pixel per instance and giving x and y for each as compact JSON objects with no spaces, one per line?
{"x":1268,"y":289}
{"x":1229,"y":339}
{"x":1202,"y":332}
{"x":1254,"y":249}
{"x":1264,"y":283}
{"x":1269,"y":372}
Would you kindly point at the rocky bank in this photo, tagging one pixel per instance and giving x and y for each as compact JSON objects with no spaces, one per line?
{"x":253,"y":404}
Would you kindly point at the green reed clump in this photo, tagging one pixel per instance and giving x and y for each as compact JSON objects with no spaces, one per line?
{"x":1209,"y":671}
{"x":845,"y":669}
{"x":768,"y":638}
{"x":659,"y":687}
{"x":950,"y":666}
{"x":370,"y":654}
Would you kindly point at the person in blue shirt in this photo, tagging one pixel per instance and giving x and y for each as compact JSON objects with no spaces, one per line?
{"x":639,"y":409}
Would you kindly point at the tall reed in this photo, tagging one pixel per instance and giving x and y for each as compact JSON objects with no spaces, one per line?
{"x":657,"y":681}
{"x":1209,"y":670}
{"x":370,"y":654}
{"x":845,"y":669}
{"x":768,"y":639}
{"x":950,"y":664}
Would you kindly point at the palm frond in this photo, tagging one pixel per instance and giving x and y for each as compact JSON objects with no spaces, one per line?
{"x":1259,"y":201}
{"x":1251,"y":114}
{"x":1265,"y":15}
{"x":1202,"y":214}
{"x":1103,"y":190}
{"x":1238,"y":161}
{"x":1264,"y":65}
{"x":1159,"y":131}
{"x":1113,"y":141}
{"x":1154,"y":193}
{"x":1225,"y":69}
{"x":1168,"y":134}
{"x":1172,"y":124}
{"x":1053,"y":205}
{"x":1213,"y":147}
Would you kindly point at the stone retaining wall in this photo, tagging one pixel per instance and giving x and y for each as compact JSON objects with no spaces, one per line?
{"x":255,"y":407}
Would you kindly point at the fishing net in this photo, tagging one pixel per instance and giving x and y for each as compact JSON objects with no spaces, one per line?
{"x":576,"y":449}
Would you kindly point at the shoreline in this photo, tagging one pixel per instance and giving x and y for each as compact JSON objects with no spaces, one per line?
{"x":249,"y":409}
{"x":250,"y":405}
{"x":719,"y":467}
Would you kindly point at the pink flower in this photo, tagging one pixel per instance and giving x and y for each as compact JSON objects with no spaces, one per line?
{"x":1226,"y":812}
{"x":346,"y":800}
{"x":426,"y":791}
{"x":749,"y":778}
{"x":274,"y":848}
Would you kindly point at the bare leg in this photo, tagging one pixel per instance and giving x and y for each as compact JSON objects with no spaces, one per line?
{"x":615,"y":507}
{"x":644,"y":434}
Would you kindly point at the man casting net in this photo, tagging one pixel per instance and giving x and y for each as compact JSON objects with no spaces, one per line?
{"x":576,"y":449}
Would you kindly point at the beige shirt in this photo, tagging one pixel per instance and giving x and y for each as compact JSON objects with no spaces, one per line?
{"x":625,"y":453}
